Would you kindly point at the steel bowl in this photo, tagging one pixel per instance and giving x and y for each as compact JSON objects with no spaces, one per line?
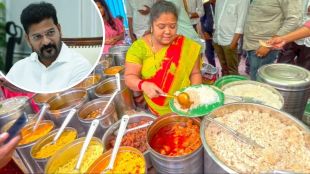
{"x":132,"y":119}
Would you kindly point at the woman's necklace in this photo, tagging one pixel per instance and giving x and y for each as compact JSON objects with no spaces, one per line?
{"x":153,"y":50}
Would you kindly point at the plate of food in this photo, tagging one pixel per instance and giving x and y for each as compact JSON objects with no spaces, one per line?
{"x":203,"y":98}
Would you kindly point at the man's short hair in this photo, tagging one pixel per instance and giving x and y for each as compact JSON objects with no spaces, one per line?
{"x":37,"y":12}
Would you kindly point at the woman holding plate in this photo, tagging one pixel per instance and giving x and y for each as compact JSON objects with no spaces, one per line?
{"x":162,"y":61}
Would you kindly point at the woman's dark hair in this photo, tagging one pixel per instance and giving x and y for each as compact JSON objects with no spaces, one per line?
{"x":161,"y":7}
{"x":37,"y":12}
{"x":108,"y":16}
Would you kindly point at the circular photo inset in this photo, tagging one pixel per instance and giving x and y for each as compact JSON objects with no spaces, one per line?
{"x":52,"y":45}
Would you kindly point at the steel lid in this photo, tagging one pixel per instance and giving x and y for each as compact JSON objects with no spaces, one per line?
{"x":284,"y":76}
{"x":119,"y":49}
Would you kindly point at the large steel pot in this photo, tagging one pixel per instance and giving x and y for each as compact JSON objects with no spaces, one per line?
{"x":12,"y":108}
{"x":132,"y":119}
{"x":62,"y":103}
{"x":106,"y":120}
{"x":123,"y":100}
{"x":118,"y":53}
{"x":212,"y":164}
{"x":190,"y":163}
{"x":293,"y":82}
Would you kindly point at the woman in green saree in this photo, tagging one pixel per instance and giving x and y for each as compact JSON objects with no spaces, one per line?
{"x":162,"y":62}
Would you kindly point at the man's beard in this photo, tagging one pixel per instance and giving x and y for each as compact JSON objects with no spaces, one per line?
{"x":49,"y":52}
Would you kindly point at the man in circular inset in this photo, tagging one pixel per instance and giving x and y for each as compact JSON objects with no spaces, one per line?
{"x":52,"y":66}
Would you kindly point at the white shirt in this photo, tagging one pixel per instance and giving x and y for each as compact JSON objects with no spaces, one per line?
{"x":67,"y":70}
{"x":195,"y":6}
{"x":229,"y":19}
{"x":185,"y":27}
{"x":140,"y":23}
{"x":305,"y":18}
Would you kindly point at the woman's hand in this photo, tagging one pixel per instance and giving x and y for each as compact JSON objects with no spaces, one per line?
{"x":151,"y":89}
{"x":6,"y":150}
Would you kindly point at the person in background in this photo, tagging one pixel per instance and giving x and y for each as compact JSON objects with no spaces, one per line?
{"x":162,"y":61}
{"x":207,"y":25}
{"x":280,"y":41}
{"x":113,"y":27}
{"x":267,"y":19}
{"x":185,"y":27}
{"x":229,"y":22}
{"x":194,"y":9}
{"x":6,"y":150}
{"x":52,"y":66}
{"x":138,"y":17}
{"x":298,"y":52}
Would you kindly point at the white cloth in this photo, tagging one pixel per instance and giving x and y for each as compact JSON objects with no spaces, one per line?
{"x":229,"y":19}
{"x":140,"y":23}
{"x":67,"y":70}
{"x":195,"y":6}
{"x":305,"y":18}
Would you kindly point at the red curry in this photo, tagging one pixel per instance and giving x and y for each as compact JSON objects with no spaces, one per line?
{"x":177,"y":139}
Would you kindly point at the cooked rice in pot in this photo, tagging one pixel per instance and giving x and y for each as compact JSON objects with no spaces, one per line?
{"x":286,"y":147}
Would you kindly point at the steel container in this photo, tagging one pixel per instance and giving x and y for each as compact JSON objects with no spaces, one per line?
{"x":41,"y":98}
{"x":106,"y":120}
{"x":104,"y":158}
{"x":12,"y":108}
{"x":23,"y":151}
{"x":45,"y":140}
{"x":212,"y":164}
{"x":250,"y":82}
{"x":132,"y":119}
{"x":293,"y":82}
{"x":62,"y":103}
{"x":89,"y":84}
{"x":123,"y":100}
{"x":67,"y":153}
{"x":190,"y":163}
{"x":118,"y":53}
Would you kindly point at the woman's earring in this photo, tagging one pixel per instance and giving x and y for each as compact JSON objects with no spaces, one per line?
{"x":151,"y":30}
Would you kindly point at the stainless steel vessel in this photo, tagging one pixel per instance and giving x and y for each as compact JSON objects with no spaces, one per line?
{"x":190,"y":163}
{"x":212,"y":164}
{"x":123,"y":100}
{"x":106,"y":120}
{"x":12,"y":108}
{"x":293,"y":82}
{"x":118,"y":53}
{"x":132,"y":119}
{"x":62,"y":103}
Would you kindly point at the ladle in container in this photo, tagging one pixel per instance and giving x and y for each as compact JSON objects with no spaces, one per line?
{"x":118,"y":83}
{"x":233,"y":132}
{"x":183,"y":99}
{"x":90,"y":133}
{"x":41,"y":114}
{"x":122,"y":128}
{"x":135,"y":128}
{"x":64,"y":124}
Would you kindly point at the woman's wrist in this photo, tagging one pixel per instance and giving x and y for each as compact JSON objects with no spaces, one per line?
{"x":140,"y":84}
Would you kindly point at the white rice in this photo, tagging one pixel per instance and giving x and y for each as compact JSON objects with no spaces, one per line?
{"x":258,"y":92}
{"x":286,"y":147}
{"x":203,"y":95}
